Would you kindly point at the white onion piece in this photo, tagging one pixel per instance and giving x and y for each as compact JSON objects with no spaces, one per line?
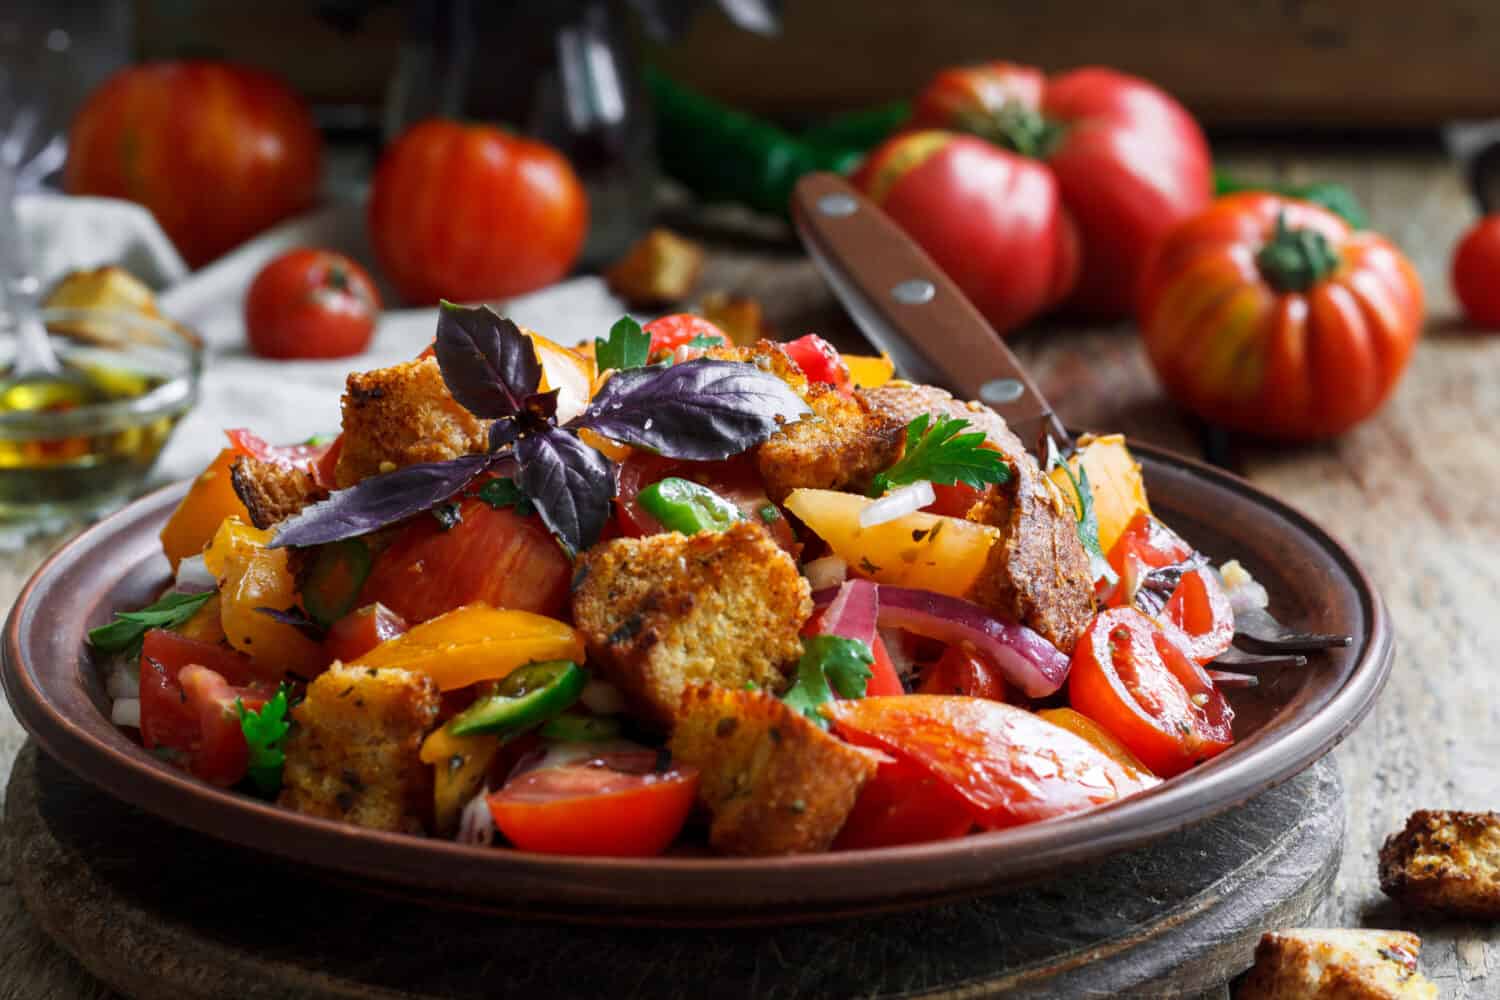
{"x":193,"y":576}
{"x":475,"y":824}
{"x":1028,"y":661}
{"x":126,"y":712}
{"x":122,"y":682}
{"x":829,"y":571}
{"x":1245,"y":592}
{"x":602,"y":698}
{"x":898,"y":503}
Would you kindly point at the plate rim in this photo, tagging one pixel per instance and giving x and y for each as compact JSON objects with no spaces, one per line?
{"x":679,"y":894}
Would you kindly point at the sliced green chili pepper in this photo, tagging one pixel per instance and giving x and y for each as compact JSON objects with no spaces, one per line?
{"x":575,"y":727}
{"x":332,"y":584}
{"x":526,"y":697}
{"x":682,"y":505}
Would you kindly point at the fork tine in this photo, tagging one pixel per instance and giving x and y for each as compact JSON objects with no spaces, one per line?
{"x":1239,"y":659}
{"x":1260,"y":631}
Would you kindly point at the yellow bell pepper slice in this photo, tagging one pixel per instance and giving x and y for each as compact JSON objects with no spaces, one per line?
{"x":253,"y":576}
{"x":209,"y":501}
{"x":1114,"y":482}
{"x":870,"y":373}
{"x":926,"y":551}
{"x":459,"y":765}
{"x":477,"y":643}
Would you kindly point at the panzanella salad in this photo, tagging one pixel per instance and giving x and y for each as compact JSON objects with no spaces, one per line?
{"x":663,"y":589}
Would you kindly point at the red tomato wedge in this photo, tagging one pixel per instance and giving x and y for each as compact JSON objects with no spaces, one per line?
{"x":612,"y":805}
{"x":1201,"y":609}
{"x":961,"y":671}
{"x":903,"y":804}
{"x":1009,"y":766}
{"x":220,"y":756}
{"x":1150,"y":543}
{"x":819,"y":360}
{"x":679,"y":329}
{"x":883,"y":677}
{"x":491,"y":555}
{"x":1137,"y":679}
{"x":360,"y":631}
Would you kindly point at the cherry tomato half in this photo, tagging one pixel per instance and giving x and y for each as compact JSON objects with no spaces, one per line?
{"x":1137,"y":679}
{"x":311,"y":304}
{"x":613,"y":805}
{"x":1201,"y":609}
{"x":679,"y":329}
{"x":819,"y":360}
{"x":961,"y":671}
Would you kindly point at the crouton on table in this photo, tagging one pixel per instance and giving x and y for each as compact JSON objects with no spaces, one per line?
{"x":773,"y":781}
{"x":399,"y":416}
{"x":1447,"y":861}
{"x":1310,"y":964}
{"x":668,"y":611}
{"x":352,"y":753}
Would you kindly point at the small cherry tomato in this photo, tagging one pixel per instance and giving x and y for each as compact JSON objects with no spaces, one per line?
{"x":613,"y":805}
{"x":1201,"y":609}
{"x":819,"y":360}
{"x":961,"y":671}
{"x":1476,"y":273}
{"x":311,"y":304}
{"x":1137,"y":679}
{"x":679,"y":330}
{"x":1151,"y":544}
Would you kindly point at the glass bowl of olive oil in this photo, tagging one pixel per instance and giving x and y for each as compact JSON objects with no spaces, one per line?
{"x":84,"y":443}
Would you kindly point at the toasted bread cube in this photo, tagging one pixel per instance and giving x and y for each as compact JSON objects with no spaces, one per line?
{"x":1446,"y":861}
{"x":773,"y":781}
{"x":839,"y":446}
{"x":660,"y":269}
{"x":1309,"y":964}
{"x":352,"y":753}
{"x":669,"y":611}
{"x":272,"y":492}
{"x":402,"y":415}
{"x":737,"y":315}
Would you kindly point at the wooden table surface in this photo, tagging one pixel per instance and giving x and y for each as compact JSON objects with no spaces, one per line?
{"x":1412,"y":491}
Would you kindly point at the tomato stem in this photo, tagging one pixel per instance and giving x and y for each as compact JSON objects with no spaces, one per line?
{"x":1295,"y":259}
{"x":1019,"y":129}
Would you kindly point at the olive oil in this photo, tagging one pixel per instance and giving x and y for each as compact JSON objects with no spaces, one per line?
{"x":66,"y":445}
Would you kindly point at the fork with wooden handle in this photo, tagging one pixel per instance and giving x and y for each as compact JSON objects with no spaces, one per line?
{"x":907,"y":307}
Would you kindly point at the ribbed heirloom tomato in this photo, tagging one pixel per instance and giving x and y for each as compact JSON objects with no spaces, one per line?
{"x":1269,"y":315}
{"x":1128,"y":160}
{"x":216,"y":152}
{"x":473,"y":212}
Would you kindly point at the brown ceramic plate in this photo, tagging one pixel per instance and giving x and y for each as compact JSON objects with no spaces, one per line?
{"x":1282,"y":727}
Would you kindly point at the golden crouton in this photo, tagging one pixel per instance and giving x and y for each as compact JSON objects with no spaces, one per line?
{"x":1305,"y":964}
{"x":839,"y":446}
{"x":659,"y":270}
{"x":767,"y":356}
{"x":352,"y":753}
{"x":773,"y":781}
{"x":270,"y":491}
{"x":402,"y":415}
{"x":1037,"y":574}
{"x":668,"y":611}
{"x":1448,"y":861}
{"x":737,"y":315}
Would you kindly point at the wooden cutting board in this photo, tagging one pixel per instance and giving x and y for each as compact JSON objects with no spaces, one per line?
{"x":156,"y":910}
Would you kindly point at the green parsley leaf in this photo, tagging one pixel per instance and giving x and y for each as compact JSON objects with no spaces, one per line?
{"x":628,"y":346}
{"x":705,"y":341}
{"x":768,"y":513}
{"x":937,"y":452}
{"x":264,"y":730}
{"x":829,"y":663}
{"x":506,"y":493}
{"x":124,"y":634}
{"x":1088,"y":521}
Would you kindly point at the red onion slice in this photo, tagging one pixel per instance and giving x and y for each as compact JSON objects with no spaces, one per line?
{"x":853,"y":612}
{"x":1028,"y":661}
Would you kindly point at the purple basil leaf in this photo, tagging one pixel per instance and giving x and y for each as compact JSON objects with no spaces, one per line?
{"x":297,"y":619}
{"x":502,"y":433}
{"x":569,"y":483}
{"x":380,"y":500}
{"x":542,"y":405}
{"x":488,"y":364}
{"x":700,"y":410}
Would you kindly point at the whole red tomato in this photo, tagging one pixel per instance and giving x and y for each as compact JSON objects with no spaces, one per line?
{"x":1269,"y":315}
{"x":992,"y":220}
{"x":1476,"y":272}
{"x":472,"y":212}
{"x":311,"y":304}
{"x":1128,"y":159}
{"x":216,"y":152}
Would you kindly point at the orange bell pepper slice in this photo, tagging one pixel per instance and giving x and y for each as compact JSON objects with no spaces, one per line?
{"x":252,"y":576}
{"x":477,"y":643}
{"x":210,"y":500}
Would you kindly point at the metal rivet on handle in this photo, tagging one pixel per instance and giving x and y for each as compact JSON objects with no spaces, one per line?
{"x":837,"y":205}
{"x":998,"y":391}
{"x":913,"y":291}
